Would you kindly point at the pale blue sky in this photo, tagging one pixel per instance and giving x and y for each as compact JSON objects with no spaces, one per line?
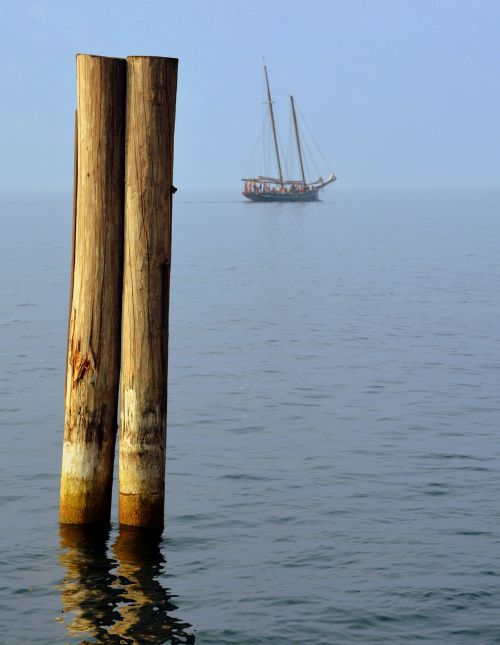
{"x":400,"y":93}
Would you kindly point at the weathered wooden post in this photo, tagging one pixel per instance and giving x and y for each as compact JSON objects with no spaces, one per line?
{"x":151,"y":96}
{"x":93,"y":360}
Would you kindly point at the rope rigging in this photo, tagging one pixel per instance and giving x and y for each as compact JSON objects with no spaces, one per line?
{"x":288,"y":155}
{"x":309,"y":131}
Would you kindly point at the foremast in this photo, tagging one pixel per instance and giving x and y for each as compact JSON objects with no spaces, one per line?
{"x":275,"y":137}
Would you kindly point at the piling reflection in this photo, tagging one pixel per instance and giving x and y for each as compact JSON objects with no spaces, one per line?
{"x":117,"y":598}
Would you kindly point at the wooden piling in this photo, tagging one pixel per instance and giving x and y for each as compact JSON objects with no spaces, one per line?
{"x":93,"y":362}
{"x":151,"y":96}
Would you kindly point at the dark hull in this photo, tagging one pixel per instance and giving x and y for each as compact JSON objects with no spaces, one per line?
{"x":310,"y":196}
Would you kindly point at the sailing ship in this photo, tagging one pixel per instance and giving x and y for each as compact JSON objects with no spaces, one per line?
{"x":279,"y":189}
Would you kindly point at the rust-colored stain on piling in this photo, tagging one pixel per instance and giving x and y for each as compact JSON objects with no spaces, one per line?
{"x":80,"y":364}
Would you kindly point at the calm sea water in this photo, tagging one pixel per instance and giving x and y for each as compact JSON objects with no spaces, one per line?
{"x":334,"y":407}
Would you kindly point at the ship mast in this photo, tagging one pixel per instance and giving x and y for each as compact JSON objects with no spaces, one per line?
{"x":297,"y":138}
{"x":270,"y":103}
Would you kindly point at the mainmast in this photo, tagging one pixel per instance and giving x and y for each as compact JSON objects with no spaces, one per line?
{"x":270,"y":102}
{"x":297,"y":138}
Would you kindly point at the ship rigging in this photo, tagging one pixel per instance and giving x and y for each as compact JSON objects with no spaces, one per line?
{"x":280,"y":189}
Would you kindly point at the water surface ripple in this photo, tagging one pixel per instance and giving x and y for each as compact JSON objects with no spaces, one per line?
{"x":333,"y":446}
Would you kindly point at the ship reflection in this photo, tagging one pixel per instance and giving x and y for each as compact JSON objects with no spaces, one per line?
{"x":117,"y":599}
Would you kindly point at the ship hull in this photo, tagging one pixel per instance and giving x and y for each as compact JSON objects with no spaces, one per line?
{"x":310,"y":196}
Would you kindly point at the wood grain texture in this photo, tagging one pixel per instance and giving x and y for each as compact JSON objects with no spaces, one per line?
{"x":151,"y":96}
{"x":92,"y":370}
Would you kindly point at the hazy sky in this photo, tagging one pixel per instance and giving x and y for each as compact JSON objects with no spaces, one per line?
{"x":399,"y":93}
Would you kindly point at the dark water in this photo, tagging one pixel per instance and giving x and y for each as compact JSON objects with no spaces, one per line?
{"x":334,"y":454}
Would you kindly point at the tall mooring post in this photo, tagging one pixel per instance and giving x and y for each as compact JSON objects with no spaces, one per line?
{"x":93,"y":367}
{"x":151,"y":97}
